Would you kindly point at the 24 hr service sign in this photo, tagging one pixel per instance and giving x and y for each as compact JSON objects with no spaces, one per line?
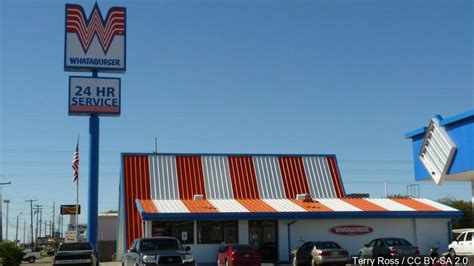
{"x":95,"y":42}
{"x":89,"y":95}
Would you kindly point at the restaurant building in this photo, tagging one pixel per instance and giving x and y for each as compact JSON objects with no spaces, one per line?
{"x":272,"y":202}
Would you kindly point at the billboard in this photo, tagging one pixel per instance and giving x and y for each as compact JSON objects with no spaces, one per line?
{"x":95,"y":42}
{"x":91,"y":95}
{"x":70,"y":209}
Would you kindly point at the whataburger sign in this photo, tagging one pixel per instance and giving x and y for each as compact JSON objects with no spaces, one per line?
{"x":351,"y":230}
{"x":95,"y":42}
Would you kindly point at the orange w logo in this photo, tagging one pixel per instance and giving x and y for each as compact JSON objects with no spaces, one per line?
{"x":86,"y":29}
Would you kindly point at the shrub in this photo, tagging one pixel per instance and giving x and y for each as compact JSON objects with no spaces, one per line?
{"x":10,"y":253}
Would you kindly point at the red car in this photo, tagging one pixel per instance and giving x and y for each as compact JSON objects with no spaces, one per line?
{"x":238,"y":254}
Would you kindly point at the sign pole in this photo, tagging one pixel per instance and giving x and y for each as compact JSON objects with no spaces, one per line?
{"x":92,"y":212}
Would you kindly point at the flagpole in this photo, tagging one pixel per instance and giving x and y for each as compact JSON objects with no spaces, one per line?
{"x":77,"y":198}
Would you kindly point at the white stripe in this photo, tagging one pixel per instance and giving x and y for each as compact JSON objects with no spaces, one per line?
{"x":163,"y":175}
{"x":269,"y":180}
{"x":390,"y":205}
{"x":284,"y":205}
{"x":216,"y":177}
{"x":170,"y":206}
{"x":228,"y":205}
{"x":338,"y":205}
{"x":436,"y":205}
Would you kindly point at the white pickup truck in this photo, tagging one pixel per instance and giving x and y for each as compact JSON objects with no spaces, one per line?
{"x":31,"y":256}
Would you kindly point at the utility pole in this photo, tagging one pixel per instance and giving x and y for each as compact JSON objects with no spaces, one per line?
{"x":24,"y":232}
{"x":38,"y":220}
{"x":1,"y":211}
{"x":16,"y":235}
{"x":52,"y":226}
{"x":45,"y":223}
{"x":7,"y":201}
{"x":31,"y":215}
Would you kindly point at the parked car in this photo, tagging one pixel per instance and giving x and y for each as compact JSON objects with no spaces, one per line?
{"x":319,"y":252}
{"x":158,"y":250}
{"x":463,"y":245}
{"x":389,"y":247}
{"x":30,"y":256}
{"x":238,"y":254}
{"x":75,"y":253}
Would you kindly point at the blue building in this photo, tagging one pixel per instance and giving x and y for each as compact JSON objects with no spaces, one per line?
{"x":444,"y":149}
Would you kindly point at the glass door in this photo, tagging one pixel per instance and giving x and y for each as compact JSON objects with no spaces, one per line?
{"x":263,"y":237}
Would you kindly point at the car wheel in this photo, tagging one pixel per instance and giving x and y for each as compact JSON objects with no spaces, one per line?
{"x":452,"y":253}
{"x":31,"y":259}
{"x":295,"y":262}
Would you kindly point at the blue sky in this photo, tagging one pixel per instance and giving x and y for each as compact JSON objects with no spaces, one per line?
{"x":238,"y":77}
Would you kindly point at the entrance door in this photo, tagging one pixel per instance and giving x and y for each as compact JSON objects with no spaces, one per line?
{"x":263,"y":237}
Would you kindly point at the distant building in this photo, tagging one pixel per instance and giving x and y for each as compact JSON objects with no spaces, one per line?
{"x":107,"y":238}
{"x":358,"y":195}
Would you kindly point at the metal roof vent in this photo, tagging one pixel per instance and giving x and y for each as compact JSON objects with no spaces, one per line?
{"x":303,"y":197}
{"x":437,"y":151}
{"x":198,"y":197}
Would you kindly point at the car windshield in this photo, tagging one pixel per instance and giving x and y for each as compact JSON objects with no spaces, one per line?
{"x":391,"y":242}
{"x":243,"y":247}
{"x":159,"y":244}
{"x":326,"y":245}
{"x":75,"y":246}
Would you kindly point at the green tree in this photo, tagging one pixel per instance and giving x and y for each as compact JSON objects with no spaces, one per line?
{"x":466,"y":220}
{"x":10,"y":253}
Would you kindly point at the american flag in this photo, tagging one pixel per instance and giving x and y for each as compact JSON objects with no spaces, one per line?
{"x":75,"y":163}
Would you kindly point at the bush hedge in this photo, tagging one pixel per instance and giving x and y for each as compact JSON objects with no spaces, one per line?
{"x":10,"y":253}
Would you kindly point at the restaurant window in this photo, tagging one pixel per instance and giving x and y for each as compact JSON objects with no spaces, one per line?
{"x":174,"y":229}
{"x":217,"y":232}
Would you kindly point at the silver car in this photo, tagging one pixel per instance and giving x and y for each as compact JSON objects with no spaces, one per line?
{"x":320,"y":252}
{"x":389,"y":247}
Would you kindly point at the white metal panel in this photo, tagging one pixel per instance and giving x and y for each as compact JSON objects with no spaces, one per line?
{"x":284,"y":205}
{"x":435,"y":204}
{"x":390,"y":205}
{"x":163,"y":177}
{"x":338,"y":205}
{"x":170,"y":206}
{"x":269,"y":180}
{"x":437,"y":151}
{"x":319,"y":177}
{"x":228,"y":205}
{"x":217,"y":180}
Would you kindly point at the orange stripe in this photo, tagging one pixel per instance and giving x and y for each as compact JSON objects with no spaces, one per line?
{"x":256,"y":205}
{"x":190,"y":176}
{"x":294,"y":180}
{"x":311,"y":206}
{"x":363,"y":204}
{"x":148,"y":206}
{"x":136,"y":182}
{"x":243,"y":178}
{"x":414,"y":204}
{"x":201,"y":206}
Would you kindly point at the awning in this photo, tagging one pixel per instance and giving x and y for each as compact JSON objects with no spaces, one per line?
{"x":259,"y":209}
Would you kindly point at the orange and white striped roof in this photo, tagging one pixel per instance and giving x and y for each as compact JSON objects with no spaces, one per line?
{"x":213,"y":186}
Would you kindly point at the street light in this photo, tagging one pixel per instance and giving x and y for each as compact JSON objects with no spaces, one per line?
{"x":8,"y":203}
{"x":16,"y":235}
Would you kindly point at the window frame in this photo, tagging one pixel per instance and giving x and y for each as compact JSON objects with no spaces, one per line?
{"x":223,"y":225}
